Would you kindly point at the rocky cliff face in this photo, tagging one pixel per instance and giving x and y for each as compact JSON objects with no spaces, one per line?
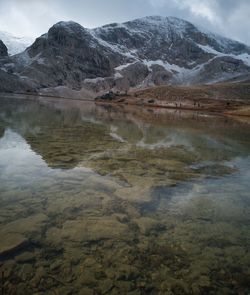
{"x":136,"y":54}
{"x":3,"y":49}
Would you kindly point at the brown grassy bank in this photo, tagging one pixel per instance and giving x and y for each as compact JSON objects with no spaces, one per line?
{"x":219,"y":98}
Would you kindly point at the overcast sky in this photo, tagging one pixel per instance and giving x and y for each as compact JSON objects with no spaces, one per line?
{"x":34,"y":17}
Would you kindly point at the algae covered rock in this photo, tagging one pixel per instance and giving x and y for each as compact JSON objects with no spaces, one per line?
{"x":147,"y":224}
{"x":28,"y":225}
{"x":11,"y":243}
{"x":89,"y":229}
{"x":25,"y":257}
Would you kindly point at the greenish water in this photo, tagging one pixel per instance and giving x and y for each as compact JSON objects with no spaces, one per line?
{"x":104,"y":200}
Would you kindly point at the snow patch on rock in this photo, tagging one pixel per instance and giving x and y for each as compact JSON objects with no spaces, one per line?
{"x":243,"y":57}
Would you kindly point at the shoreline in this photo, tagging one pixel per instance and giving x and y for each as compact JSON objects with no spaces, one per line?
{"x":45,"y":96}
{"x":208,"y":110}
{"x":101,"y":102}
{"x":238,"y":108}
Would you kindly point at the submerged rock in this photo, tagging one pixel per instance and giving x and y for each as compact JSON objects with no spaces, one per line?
{"x":134,"y":194}
{"x":25,"y":257}
{"x":11,"y":243}
{"x":26,"y":226}
{"x":89,"y":229}
{"x":17,"y":233}
{"x":146,"y":224}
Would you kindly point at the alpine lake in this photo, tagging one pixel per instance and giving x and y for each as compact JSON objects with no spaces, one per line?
{"x":111,"y":199}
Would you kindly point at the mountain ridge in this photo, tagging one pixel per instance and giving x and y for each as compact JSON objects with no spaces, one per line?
{"x":144,"y":52}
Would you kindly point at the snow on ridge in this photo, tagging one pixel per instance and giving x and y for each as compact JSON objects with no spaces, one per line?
{"x":67,"y":24}
{"x":166,"y":65}
{"x":161,"y":20}
{"x":94,"y":80}
{"x":118,"y":75}
{"x":121,"y":67}
{"x":243,"y":57}
{"x":180,"y":74}
{"x":209,"y":49}
{"x":223,"y":41}
{"x":129,"y":29}
{"x":143,"y":26}
{"x":104,"y":43}
{"x":41,"y":61}
{"x":22,"y":60}
{"x":111,"y":27}
{"x":44,"y":36}
{"x":114,"y":47}
{"x":163,"y":24}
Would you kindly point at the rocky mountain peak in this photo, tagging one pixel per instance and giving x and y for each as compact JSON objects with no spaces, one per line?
{"x":69,"y":27}
{"x":160,"y":22}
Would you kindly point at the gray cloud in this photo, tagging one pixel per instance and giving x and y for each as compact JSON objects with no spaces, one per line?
{"x":33,"y":17}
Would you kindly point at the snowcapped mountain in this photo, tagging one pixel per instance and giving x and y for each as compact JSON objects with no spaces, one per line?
{"x":179,"y":48}
{"x":140,"y":53}
{"x":15,"y":44}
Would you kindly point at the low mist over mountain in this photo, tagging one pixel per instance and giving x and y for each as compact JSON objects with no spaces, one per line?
{"x":145,"y":52}
{"x":15,"y":44}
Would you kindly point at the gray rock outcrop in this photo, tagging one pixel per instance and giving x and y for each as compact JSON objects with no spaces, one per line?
{"x":3,"y":49}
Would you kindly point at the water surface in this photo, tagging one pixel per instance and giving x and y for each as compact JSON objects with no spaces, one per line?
{"x":112,"y":200}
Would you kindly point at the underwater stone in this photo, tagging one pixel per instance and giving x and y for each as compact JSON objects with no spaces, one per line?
{"x":86,"y":291}
{"x":146,"y":224}
{"x":134,"y":194}
{"x":40,"y":273}
{"x":28,"y":225}
{"x":26,"y":271}
{"x":91,"y":229}
{"x":106,"y":286}
{"x":25,"y":257}
{"x":11,"y":243}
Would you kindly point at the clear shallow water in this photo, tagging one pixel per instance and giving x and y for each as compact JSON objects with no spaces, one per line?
{"x":104,"y":200}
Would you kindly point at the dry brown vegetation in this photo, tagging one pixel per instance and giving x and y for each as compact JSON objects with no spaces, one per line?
{"x":233,"y":91}
{"x":220,"y":98}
